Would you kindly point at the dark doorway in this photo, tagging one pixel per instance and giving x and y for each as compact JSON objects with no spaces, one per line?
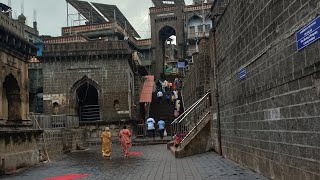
{"x":11,"y":99}
{"x":88,"y":104}
{"x":169,"y":49}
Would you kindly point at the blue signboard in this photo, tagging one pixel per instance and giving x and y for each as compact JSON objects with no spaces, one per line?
{"x":181,"y":64}
{"x":308,"y":34}
{"x":242,"y":74}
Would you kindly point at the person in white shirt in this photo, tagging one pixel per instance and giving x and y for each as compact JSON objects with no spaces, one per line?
{"x":151,"y":128}
{"x":165,"y":84}
{"x":159,"y":95}
{"x":175,"y":92}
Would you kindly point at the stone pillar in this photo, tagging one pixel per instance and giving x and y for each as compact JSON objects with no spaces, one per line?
{"x":24,"y":91}
{"x":1,"y":101}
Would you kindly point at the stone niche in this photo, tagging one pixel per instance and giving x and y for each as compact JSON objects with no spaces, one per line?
{"x":18,"y":149}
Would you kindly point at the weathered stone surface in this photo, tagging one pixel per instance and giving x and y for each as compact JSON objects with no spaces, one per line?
{"x":56,"y":142}
{"x":15,"y":52}
{"x":199,"y":142}
{"x":268,"y":120}
{"x":197,"y":82}
{"x":18,"y":145}
{"x":18,"y":148}
{"x":105,"y":65}
{"x":155,"y":162}
{"x":165,"y":21}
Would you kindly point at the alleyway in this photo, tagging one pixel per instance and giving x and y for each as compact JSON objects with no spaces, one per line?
{"x":155,"y":162}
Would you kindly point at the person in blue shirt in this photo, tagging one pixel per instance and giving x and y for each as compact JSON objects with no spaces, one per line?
{"x":168,"y":97}
{"x":161,"y":125}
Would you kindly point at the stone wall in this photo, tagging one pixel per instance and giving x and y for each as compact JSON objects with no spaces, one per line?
{"x":200,"y":141}
{"x":60,"y":141}
{"x":15,"y":52}
{"x":18,"y":148}
{"x":138,"y":84}
{"x":189,"y":85}
{"x":270,"y":119}
{"x":196,"y":83}
{"x":109,"y":70}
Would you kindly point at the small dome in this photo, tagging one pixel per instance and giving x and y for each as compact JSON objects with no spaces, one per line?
{"x":22,"y":18}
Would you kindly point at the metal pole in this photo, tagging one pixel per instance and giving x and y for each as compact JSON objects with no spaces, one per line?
{"x":203,"y":19}
{"x":67,"y":13}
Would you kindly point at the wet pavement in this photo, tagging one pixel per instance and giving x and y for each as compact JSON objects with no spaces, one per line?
{"x":150,"y":162}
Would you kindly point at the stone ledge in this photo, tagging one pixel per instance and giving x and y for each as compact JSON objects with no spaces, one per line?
{"x":36,"y":131}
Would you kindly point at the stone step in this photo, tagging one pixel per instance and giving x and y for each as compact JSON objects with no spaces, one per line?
{"x":151,"y":142}
{"x":135,"y":141}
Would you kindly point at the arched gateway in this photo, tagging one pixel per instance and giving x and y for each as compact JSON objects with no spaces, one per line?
{"x":87,"y":105}
{"x":11,"y":99}
{"x":166,"y":20}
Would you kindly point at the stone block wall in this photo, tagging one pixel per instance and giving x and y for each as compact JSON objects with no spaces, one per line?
{"x":197,"y":82}
{"x":52,"y":144}
{"x":111,"y":77}
{"x":270,"y":119}
{"x":18,"y":148}
{"x":109,"y":70}
{"x":138,"y":84}
{"x":60,"y":141}
{"x":189,"y":84}
{"x":199,"y":143}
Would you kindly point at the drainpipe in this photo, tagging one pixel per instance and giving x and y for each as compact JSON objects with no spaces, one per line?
{"x":3,"y":166}
{"x":216,"y":84}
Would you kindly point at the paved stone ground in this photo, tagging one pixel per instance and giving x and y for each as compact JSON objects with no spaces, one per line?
{"x":155,"y":162}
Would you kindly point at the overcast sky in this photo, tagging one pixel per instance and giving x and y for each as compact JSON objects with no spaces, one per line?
{"x":51,"y":14}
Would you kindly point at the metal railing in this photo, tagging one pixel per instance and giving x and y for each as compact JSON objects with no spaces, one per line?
{"x":190,"y":119}
{"x":200,"y":34}
{"x":141,"y":130}
{"x":195,"y":127}
{"x":40,"y":121}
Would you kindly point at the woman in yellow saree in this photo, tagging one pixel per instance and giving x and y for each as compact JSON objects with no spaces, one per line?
{"x":106,"y":143}
{"x":125,"y":140}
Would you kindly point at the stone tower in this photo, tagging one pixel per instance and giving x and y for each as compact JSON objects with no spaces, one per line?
{"x":166,"y":20}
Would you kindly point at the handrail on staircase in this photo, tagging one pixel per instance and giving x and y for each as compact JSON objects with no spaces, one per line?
{"x":185,"y":113}
{"x":194,"y":127}
{"x":189,"y":119}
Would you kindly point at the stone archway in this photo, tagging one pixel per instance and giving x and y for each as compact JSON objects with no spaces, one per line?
{"x":11,"y":99}
{"x":87,"y":104}
{"x":166,"y":20}
{"x":167,"y":49}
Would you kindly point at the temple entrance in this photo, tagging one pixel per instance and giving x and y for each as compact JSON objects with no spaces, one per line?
{"x":169,"y":49}
{"x":11,"y":100}
{"x":88,"y":104}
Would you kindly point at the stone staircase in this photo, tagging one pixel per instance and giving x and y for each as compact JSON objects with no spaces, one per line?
{"x":164,"y":110}
{"x":194,"y":128}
